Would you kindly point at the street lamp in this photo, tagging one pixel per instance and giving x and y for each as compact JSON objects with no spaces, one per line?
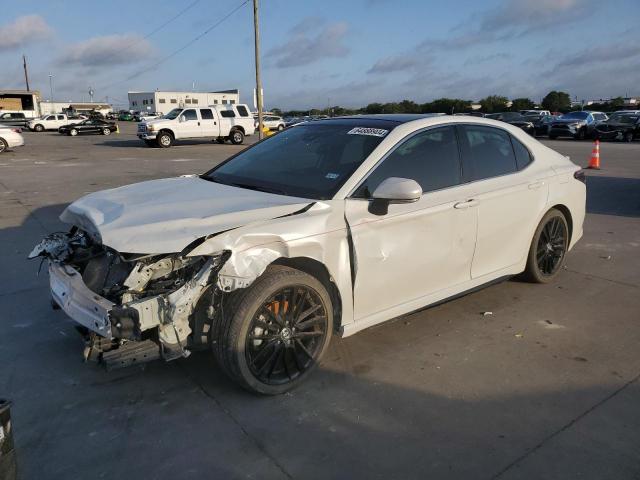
{"x":51,"y":92}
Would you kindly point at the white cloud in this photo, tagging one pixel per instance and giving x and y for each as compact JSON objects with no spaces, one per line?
{"x":27,"y":29}
{"x":108,"y":50}
{"x":305,"y":47}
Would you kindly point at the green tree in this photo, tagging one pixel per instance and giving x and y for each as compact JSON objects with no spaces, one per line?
{"x":373,"y":108}
{"x":446,"y":105}
{"x":408,"y":106}
{"x":522,"y":104}
{"x":557,"y":101}
{"x":494,"y":104}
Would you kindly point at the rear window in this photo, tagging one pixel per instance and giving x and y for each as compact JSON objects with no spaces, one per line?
{"x":227,"y":113}
{"x":523,"y":156}
{"x":242,"y":110}
{"x":206,"y":114}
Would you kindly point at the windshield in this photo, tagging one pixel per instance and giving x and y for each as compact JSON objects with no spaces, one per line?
{"x":173,"y":114}
{"x":575,"y":116}
{"x":308,"y":161}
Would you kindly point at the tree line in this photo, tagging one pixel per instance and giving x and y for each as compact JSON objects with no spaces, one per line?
{"x":554,"y":101}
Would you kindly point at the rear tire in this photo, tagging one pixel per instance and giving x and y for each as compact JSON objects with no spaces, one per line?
{"x":548,"y":248}
{"x":628,"y":137}
{"x":106,"y":131}
{"x":236,"y":137}
{"x":3,"y":145}
{"x":280,"y":127}
{"x":273,"y":334}
{"x":73,"y":132}
{"x":164,"y":139}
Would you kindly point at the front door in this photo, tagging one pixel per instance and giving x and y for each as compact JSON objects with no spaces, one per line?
{"x":190,"y":127}
{"x":413,"y":250}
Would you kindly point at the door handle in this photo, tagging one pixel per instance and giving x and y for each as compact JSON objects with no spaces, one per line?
{"x":198,"y":123}
{"x":466,"y":204}
{"x":536,"y":185}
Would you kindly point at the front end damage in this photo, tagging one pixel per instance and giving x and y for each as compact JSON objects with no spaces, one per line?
{"x":131,"y":308}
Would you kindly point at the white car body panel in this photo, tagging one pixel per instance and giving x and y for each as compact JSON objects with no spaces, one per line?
{"x":382,"y":266}
{"x":13,"y":138}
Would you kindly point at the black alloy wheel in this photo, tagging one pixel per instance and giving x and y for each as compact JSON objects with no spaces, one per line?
{"x":286,"y":335}
{"x":548,"y":248}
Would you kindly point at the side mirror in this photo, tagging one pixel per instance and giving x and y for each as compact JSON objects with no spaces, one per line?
{"x":398,"y":190}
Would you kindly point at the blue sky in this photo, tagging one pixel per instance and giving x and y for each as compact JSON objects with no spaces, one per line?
{"x":349,"y":52}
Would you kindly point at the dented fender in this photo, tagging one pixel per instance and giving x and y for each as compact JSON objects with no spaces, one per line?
{"x":319,"y":234}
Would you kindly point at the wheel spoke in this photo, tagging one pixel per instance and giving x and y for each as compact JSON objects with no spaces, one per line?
{"x":263,"y":350}
{"x":308,"y":312}
{"x":279,"y":351}
{"x":312,"y":321}
{"x":303,"y":348}
{"x":308,"y":334}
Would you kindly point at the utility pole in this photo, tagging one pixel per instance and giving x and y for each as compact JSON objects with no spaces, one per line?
{"x":51,"y":90}
{"x":26,"y":73}
{"x":256,"y":32}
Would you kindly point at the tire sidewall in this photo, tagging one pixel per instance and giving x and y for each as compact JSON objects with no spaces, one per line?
{"x":168,"y":143}
{"x":236,"y":140}
{"x":3,"y":145}
{"x":533,"y":271}
{"x":243,"y":318}
{"x":106,"y":131}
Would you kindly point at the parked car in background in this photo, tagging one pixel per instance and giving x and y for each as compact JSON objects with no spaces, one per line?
{"x":91,"y":125}
{"x":578,"y":125}
{"x":288,"y":121}
{"x":10,"y":138}
{"x":272,"y":122}
{"x":218,"y":122}
{"x":53,"y":121}
{"x":308,"y":234}
{"x":530,"y":113}
{"x":620,"y":126}
{"x":541,"y":123}
{"x":125,"y":117}
{"x":144,"y":116}
{"x":514,"y":118}
{"x":13,"y":119}
{"x":626,"y":112}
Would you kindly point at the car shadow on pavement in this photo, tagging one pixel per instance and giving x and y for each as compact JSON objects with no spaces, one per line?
{"x":613,"y":196}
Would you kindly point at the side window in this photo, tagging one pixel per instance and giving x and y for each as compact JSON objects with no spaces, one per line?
{"x":487,"y":151}
{"x":161,"y":100}
{"x":523,"y":156}
{"x":173,"y":100}
{"x":51,"y":117}
{"x":224,"y":102}
{"x":188,"y":100}
{"x":227,"y":113}
{"x":190,"y":114}
{"x":206,"y":114}
{"x":194,"y":100}
{"x":430,"y":158}
{"x":242,"y":110}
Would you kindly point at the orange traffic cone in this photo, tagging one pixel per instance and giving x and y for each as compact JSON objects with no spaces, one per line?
{"x":594,"y":163}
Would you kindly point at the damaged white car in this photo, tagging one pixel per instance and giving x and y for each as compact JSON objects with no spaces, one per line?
{"x":328,"y":227}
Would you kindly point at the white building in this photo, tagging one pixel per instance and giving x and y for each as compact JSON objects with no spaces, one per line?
{"x":164,"y":102}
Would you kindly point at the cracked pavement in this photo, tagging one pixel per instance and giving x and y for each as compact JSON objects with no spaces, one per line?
{"x":545,"y":387}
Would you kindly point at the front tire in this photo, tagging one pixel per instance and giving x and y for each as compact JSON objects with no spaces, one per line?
{"x":73,"y":132}
{"x":548,"y":248}
{"x":273,"y":334}
{"x":165,"y":139}
{"x":106,"y":131}
{"x":3,"y":145}
{"x":38,"y":128}
{"x":280,"y":127}
{"x":628,"y":137}
{"x":237,"y":137}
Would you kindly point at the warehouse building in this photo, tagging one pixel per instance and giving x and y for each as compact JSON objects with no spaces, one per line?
{"x":164,"y":102}
{"x":74,"y":107}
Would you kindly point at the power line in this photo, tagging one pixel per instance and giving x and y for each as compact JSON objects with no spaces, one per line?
{"x":179,"y":50}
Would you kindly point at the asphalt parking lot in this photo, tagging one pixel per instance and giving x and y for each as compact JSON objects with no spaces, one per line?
{"x":547,"y":386}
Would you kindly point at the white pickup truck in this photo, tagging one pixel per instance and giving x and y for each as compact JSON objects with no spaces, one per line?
{"x":217,"y":122}
{"x":53,"y":121}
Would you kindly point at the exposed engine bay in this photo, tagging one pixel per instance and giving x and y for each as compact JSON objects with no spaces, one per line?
{"x":134,"y":307}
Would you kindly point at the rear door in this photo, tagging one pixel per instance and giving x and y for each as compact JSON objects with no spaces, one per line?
{"x":510,"y":192}
{"x":209,"y":123}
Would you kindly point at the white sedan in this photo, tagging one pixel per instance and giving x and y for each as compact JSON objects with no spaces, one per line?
{"x":10,"y":138}
{"x":328,"y":228}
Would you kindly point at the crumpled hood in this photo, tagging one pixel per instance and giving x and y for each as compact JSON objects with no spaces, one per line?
{"x":164,"y":216}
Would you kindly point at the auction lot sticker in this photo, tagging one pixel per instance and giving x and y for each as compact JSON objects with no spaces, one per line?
{"x":373,"y":132}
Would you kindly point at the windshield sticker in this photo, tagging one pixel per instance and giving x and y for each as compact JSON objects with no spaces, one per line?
{"x":332,"y":176}
{"x":374,"y":132}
